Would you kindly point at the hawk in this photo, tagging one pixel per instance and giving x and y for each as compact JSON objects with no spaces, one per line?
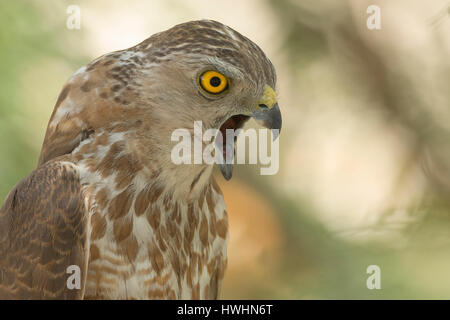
{"x":107,"y":198}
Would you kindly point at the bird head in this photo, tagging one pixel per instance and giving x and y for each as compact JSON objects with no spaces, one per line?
{"x":196,"y":71}
{"x":205,"y":71}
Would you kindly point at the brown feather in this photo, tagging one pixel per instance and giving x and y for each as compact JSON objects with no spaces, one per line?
{"x":42,"y":232}
{"x":156,"y":230}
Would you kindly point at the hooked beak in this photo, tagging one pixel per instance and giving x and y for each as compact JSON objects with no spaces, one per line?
{"x":267,"y":113}
{"x":270,"y":118}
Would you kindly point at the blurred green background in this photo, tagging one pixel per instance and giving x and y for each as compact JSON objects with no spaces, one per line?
{"x":365,"y":151}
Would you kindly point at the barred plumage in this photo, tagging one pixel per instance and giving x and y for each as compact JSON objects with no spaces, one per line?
{"x":139,"y":226}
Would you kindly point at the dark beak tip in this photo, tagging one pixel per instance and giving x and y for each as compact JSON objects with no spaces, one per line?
{"x":226,"y":170}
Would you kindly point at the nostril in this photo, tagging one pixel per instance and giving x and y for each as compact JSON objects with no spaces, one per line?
{"x":263,"y":106}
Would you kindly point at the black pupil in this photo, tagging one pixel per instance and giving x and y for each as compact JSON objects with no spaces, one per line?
{"x":215,"y":81}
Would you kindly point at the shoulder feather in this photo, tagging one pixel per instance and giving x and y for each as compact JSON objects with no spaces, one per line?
{"x":43,"y":230}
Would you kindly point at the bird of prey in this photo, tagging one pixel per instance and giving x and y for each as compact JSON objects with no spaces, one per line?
{"x":107,"y":200}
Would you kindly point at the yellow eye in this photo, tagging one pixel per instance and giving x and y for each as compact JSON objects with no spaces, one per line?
{"x":213,"y":82}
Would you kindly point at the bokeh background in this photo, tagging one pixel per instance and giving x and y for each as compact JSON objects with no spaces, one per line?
{"x":364,"y":173}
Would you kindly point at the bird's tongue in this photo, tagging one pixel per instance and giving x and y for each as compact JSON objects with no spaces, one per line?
{"x":231,"y":123}
{"x":227,"y":146}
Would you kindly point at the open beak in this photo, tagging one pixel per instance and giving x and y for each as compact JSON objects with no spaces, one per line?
{"x":267,"y":113}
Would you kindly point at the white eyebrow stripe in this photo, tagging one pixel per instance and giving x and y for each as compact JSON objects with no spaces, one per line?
{"x":226,"y":67}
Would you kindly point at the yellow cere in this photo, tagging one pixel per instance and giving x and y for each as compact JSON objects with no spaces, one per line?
{"x":213,"y":82}
{"x":269,"y":98}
